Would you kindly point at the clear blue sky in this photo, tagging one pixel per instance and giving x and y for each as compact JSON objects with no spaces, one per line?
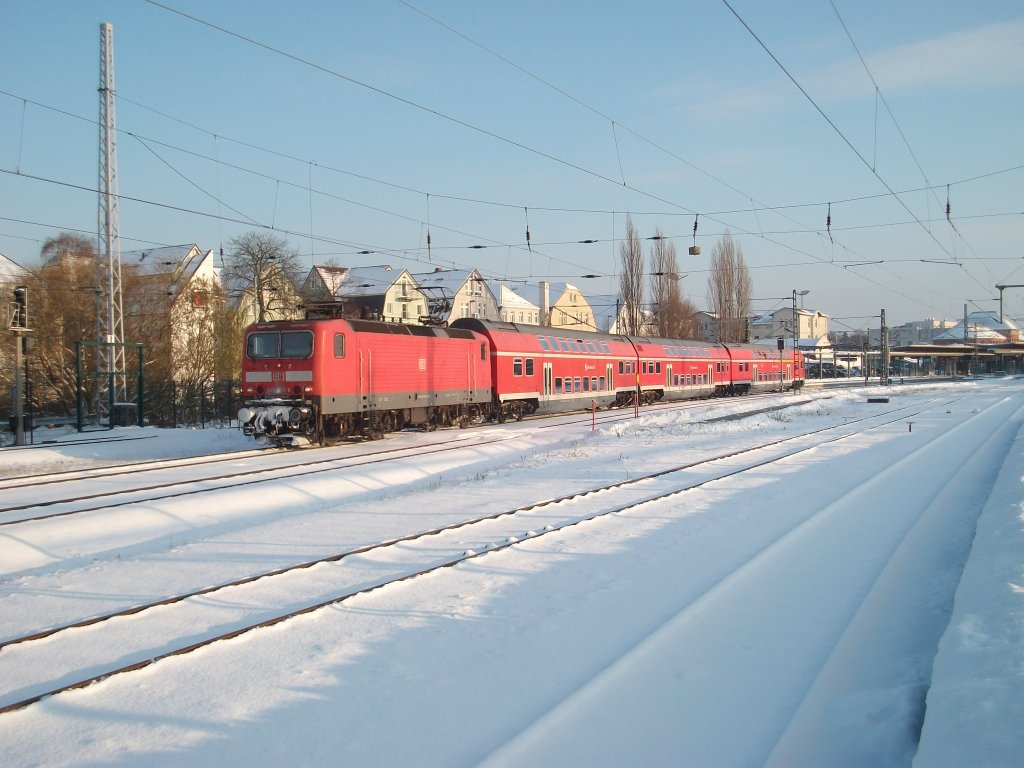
{"x":350,"y":126}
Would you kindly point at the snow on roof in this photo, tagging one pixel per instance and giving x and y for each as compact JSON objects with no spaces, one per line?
{"x":452,"y":279}
{"x":981,"y":326}
{"x":368,"y":281}
{"x":10,"y":272}
{"x":183,"y":259}
{"x":509,"y":299}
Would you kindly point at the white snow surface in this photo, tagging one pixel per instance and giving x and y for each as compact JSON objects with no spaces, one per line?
{"x":861,"y":603}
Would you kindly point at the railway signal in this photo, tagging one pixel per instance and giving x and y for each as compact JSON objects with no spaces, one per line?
{"x":19,"y":317}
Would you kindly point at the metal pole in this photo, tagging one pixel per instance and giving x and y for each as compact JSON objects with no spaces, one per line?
{"x":19,"y":390}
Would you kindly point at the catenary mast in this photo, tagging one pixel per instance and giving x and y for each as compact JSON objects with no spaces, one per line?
{"x":110,"y":322}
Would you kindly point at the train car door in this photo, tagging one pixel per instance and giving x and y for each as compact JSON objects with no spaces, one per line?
{"x":548,"y":379}
{"x":668,"y":375}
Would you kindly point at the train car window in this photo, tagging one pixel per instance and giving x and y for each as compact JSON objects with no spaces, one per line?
{"x":657,"y":367}
{"x":573,"y":346}
{"x":558,"y":385}
{"x":529,"y":366}
{"x":601,"y":383}
{"x":593,"y":383}
{"x":578,"y":384}
{"x":563,"y":344}
{"x":296,"y":344}
{"x":544,"y":343}
{"x":586,"y":384}
{"x":339,"y":345}
{"x":517,"y":366}
{"x":260,"y":345}
{"x":605,"y":348}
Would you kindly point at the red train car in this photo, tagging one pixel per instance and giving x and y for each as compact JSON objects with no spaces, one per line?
{"x":680,"y":369}
{"x":539,"y":369}
{"x":763,"y":368}
{"x":325,"y":379}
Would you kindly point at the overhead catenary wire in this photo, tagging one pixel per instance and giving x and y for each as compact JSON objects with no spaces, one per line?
{"x":530,"y":244}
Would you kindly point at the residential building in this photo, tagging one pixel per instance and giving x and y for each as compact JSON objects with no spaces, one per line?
{"x":453,"y":293}
{"x":376,"y":294}
{"x":516,"y":309}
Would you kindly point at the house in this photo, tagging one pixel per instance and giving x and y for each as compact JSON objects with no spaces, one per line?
{"x":371,"y":293}
{"x":707,"y":325}
{"x":453,"y":293}
{"x":271,"y":296}
{"x":621,"y":321}
{"x":571,"y":311}
{"x":323,"y":284}
{"x":779,"y":324}
{"x":915,"y":332}
{"x":516,"y":309}
{"x":184,"y":282}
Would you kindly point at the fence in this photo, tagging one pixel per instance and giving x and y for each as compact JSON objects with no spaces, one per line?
{"x":170,"y":404}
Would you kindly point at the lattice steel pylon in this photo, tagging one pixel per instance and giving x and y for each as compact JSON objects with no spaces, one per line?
{"x":110,"y":321}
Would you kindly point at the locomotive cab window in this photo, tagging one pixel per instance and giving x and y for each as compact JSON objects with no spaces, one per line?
{"x":296,"y":344}
{"x":339,"y":345}
{"x":268,"y":344}
{"x":261,"y":345}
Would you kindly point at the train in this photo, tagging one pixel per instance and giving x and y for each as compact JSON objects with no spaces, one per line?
{"x":319,"y":381}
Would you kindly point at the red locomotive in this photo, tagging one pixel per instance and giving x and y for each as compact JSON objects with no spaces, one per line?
{"x":321,"y":380}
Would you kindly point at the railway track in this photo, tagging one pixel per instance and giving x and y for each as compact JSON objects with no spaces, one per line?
{"x":37,"y":664}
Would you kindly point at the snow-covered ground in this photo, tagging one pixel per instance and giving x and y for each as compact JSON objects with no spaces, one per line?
{"x":787,"y":617}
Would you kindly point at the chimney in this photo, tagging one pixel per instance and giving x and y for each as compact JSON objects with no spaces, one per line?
{"x":545,"y":302}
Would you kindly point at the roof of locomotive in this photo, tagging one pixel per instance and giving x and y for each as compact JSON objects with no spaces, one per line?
{"x":369,"y":326}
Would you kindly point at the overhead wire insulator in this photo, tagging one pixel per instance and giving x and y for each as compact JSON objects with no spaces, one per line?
{"x":828,"y":224}
{"x":695,"y":249}
{"x":527,"y":212}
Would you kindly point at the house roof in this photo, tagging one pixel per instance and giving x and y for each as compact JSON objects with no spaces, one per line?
{"x":183,"y":260}
{"x":368,"y":281}
{"x":981,"y":326}
{"x":10,"y":272}
{"x":444,"y":279}
{"x":512,"y":300}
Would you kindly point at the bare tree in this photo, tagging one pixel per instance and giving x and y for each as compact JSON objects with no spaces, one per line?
{"x":63,"y":305}
{"x":730,"y":290}
{"x":675,"y":317}
{"x":255,"y":264}
{"x":631,"y":285}
{"x":67,"y":245}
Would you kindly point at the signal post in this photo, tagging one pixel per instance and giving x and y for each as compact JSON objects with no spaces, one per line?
{"x":19,"y":325}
